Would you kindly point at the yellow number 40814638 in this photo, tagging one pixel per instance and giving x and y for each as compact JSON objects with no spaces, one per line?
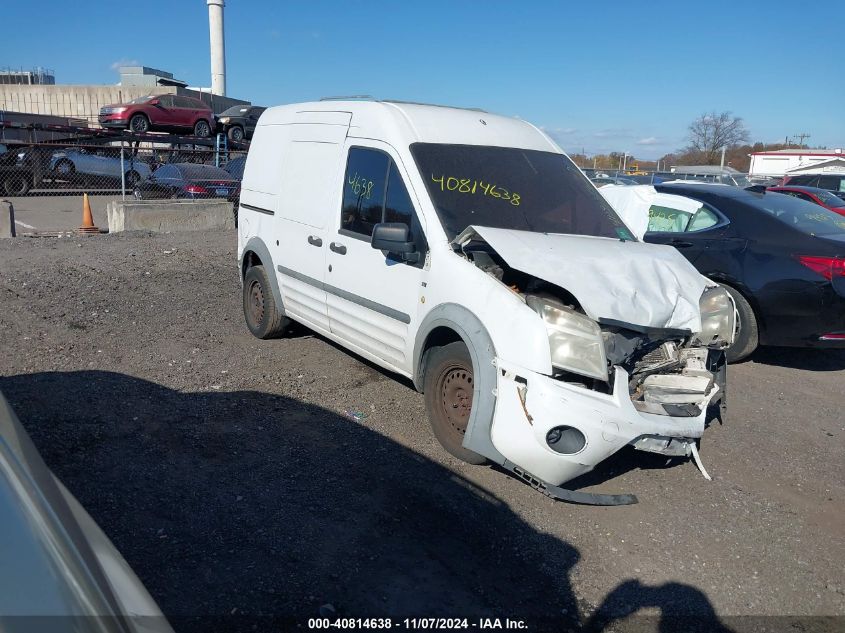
{"x":476,"y":187}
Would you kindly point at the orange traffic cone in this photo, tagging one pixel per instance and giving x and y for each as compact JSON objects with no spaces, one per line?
{"x":87,"y":218}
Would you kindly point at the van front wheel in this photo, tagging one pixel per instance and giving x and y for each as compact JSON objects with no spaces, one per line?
{"x":449,"y":387}
{"x":263,"y":317}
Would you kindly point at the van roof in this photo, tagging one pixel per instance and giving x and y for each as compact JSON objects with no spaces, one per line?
{"x":401,"y":123}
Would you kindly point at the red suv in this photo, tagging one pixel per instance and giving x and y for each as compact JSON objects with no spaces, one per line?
{"x":165,"y":113}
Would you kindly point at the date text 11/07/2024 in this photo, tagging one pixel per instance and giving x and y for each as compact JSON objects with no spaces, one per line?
{"x":435,"y":624}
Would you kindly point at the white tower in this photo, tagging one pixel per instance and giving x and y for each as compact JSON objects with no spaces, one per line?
{"x":218,"y":47}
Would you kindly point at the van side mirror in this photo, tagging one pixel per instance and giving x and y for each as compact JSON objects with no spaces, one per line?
{"x":393,"y":237}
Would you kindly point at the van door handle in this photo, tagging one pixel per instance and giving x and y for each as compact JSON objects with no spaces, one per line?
{"x":340,"y":249}
{"x":313,"y":240}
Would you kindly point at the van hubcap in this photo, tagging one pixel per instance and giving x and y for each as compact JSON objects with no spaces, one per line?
{"x":456,"y":396}
{"x":255,"y":303}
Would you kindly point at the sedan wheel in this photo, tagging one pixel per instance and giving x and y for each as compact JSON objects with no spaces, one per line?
{"x":139,"y":124}
{"x":748,"y":335}
{"x":236,"y":134}
{"x":64,"y":168}
{"x":202,"y":129}
{"x":132,"y":178}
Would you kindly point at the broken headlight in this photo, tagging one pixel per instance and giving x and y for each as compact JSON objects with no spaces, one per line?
{"x":718,"y":319}
{"x":575,"y":340}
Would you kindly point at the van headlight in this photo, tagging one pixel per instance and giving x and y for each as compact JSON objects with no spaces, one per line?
{"x":575,"y":340}
{"x":718,"y":319}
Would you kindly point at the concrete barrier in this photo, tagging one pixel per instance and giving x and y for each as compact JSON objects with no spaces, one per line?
{"x":163,"y":216}
{"x":7,"y":220}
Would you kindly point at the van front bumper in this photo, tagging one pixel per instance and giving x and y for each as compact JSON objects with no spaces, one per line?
{"x":529,"y":405}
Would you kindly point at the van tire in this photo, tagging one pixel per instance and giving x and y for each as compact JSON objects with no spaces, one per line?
{"x":263,"y":317}
{"x":748,"y":336}
{"x":449,"y":387}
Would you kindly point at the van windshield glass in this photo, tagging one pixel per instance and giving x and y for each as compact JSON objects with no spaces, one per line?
{"x":510,"y":188}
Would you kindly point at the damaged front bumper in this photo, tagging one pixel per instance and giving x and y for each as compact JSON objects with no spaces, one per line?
{"x":532,"y":409}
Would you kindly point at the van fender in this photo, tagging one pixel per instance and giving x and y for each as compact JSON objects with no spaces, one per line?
{"x":483,"y":354}
{"x":257,"y":246}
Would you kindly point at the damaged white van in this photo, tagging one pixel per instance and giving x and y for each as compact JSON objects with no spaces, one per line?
{"x":465,"y":251}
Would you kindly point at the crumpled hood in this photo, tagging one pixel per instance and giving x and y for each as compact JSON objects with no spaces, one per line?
{"x":646,"y":285}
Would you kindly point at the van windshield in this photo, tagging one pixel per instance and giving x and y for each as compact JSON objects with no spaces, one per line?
{"x":510,"y":188}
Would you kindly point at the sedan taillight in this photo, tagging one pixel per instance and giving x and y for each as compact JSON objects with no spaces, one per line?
{"x":196,"y":189}
{"x":827,"y":267}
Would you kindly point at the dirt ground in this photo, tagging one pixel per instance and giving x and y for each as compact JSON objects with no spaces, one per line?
{"x":246,"y":478}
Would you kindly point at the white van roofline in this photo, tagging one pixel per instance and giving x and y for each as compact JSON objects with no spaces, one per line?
{"x":399,"y":122}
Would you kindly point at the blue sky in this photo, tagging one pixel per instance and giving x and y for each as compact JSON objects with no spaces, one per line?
{"x":602,"y":76}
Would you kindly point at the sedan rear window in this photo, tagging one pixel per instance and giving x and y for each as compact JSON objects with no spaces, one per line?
{"x":202,"y":172}
{"x":807,"y":217}
{"x":829,"y":199}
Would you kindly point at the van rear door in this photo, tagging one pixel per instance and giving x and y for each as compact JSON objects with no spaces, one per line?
{"x":308,"y":194}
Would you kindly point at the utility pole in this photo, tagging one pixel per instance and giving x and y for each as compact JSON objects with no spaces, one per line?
{"x":724,"y":147}
{"x":801,"y":137}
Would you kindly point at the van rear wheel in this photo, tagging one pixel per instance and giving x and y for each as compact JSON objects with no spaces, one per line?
{"x":263,"y":317}
{"x":449,"y":387}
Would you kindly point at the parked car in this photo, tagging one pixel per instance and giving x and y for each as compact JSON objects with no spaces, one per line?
{"x":16,"y":180}
{"x":645,"y":179}
{"x":835,"y":183}
{"x":188,"y":180}
{"x":62,"y":572}
{"x":780,"y":258}
{"x":601,"y":181}
{"x":162,"y":113}
{"x":21,"y":168}
{"x":100,"y":162}
{"x":711,"y":173}
{"x":235,"y":167}
{"x":465,"y":251}
{"x":821,"y":197}
{"x":238,"y":122}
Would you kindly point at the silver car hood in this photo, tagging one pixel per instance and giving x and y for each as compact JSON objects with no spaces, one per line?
{"x":644,"y":285}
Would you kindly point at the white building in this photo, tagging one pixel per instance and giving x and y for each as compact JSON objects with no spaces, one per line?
{"x":775,"y":164}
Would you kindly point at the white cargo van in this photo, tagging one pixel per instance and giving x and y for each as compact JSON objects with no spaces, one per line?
{"x":465,"y":251}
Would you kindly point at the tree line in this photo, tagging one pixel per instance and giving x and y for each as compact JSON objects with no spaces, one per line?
{"x":707,"y":135}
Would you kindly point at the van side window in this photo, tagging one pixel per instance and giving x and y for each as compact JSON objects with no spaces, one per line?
{"x":398,"y":206}
{"x":364,"y":190}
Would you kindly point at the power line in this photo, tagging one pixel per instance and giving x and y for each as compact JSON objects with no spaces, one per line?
{"x":801,"y":137}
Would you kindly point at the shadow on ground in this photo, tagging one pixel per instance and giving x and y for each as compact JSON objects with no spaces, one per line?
{"x":800,"y":358}
{"x":235,"y":507}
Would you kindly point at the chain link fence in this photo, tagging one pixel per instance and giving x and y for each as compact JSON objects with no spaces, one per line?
{"x":118,"y":168}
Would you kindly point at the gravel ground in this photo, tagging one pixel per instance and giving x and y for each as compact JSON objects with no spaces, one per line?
{"x":236,"y":479}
